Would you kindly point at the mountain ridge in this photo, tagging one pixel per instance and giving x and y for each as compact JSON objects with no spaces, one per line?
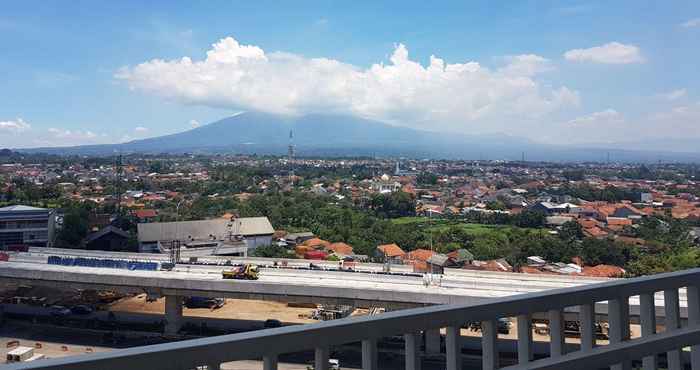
{"x":341,"y":135}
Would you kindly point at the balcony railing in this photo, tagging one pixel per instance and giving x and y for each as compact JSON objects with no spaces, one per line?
{"x":618,"y":354}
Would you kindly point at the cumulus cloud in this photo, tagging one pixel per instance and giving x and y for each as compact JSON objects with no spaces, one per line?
{"x":610,"y":53}
{"x":194,"y":123}
{"x":695,"y":22}
{"x":459,"y":95}
{"x":608,"y":116}
{"x":674,"y":95}
{"x":14,"y":126}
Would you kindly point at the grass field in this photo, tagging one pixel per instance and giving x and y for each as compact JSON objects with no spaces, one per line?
{"x":436,"y":224}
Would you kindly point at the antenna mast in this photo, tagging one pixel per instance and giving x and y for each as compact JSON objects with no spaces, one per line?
{"x":290,"y":155}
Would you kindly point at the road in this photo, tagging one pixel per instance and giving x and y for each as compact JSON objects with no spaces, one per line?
{"x":363,"y":286}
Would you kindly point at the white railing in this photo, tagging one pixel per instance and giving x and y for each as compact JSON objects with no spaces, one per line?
{"x":618,"y":354}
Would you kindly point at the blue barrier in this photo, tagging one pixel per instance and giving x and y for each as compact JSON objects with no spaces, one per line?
{"x":100,"y":262}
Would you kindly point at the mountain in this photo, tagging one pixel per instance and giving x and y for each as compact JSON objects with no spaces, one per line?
{"x":339,"y":135}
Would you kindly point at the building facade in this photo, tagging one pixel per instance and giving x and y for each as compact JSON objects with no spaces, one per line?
{"x":25,"y":225}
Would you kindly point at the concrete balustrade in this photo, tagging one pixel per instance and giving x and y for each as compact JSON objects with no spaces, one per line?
{"x":620,"y":353}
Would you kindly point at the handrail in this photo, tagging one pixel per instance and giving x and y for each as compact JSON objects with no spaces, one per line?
{"x":251,"y":345}
{"x":615,"y":352}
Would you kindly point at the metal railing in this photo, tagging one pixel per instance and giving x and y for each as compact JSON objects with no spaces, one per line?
{"x":618,"y":354}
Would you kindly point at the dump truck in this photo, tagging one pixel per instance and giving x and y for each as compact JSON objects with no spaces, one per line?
{"x":243,"y":272}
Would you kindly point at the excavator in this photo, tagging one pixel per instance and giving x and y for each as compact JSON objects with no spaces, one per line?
{"x":243,"y":272}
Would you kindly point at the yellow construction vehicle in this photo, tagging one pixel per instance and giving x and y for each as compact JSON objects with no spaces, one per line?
{"x":243,"y":272}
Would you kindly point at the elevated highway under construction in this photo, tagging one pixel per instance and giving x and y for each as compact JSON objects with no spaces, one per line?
{"x":366,"y":286}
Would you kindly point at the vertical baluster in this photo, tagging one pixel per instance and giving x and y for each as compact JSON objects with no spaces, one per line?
{"x":412,"y":347}
{"x":693,"y":297}
{"x":489,"y":345}
{"x":524,"y":338}
{"x":647,"y":318}
{"x":369,"y":354}
{"x":618,"y":319}
{"x":453,"y":344}
{"x":432,"y":341}
{"x":587,"y":323}
{"x":556,"y":332}
{"x":270,"y":362}
{"x":321,"y":358}
{"x":673,"y":322}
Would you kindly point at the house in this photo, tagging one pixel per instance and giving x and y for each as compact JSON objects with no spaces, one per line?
{"x":340,"y":248}
{"x":109,"y":238}
{"x":254,"y":231}
{"x":554,"y":208}
{"x":390,"y":253}
{"x":145,"y":215}
{"x":316,"y":243}
{"x":27,"y":225}
{"x":418,"y":258}
{"x":461,"y":256}
{"x":437,"y":263}
{"x":298,"y":238}
{"x":499,"y":265}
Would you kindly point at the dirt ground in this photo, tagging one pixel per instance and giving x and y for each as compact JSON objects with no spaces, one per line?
{"x":233,"y":309}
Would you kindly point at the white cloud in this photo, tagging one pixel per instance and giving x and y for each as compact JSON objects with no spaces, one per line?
{"x":72,"y":135}
{"x":695,"y":22}
{"x":674,"y":95}
{"x":610,"y":53}
{"x":140,"y":130}
{"x":14,"y":126}
{"x":608,"y":116}
{"x":460,"y":96}
{"x":526,"y":65}
{"x":194,"y":123}
{"x":687,"y":115}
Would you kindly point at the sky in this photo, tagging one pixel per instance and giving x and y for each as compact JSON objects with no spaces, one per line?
{"x":572,"y":72}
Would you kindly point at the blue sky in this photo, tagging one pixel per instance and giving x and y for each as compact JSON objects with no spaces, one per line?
{"x":85,"y":72}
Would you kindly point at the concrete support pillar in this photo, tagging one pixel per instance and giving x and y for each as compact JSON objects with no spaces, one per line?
{"x":369,"y":354}
{"x":173,"y":314}
{"x":432,"y":341}
{"x":321,"y":358}
{"x":453,"y":348}
{"x":270,"y":362}
{"x":413,"y":361}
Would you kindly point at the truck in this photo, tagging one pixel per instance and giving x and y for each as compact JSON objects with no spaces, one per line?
{"x":242,"y":272}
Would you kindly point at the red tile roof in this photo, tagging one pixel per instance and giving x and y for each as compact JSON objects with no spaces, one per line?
{"x":340,"y":248}
{"x":391,"y":250}
{"x":145,"y":213}
{"x":418,"y":254}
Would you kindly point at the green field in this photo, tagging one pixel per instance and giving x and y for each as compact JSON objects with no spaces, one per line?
{"x":435,"y":224}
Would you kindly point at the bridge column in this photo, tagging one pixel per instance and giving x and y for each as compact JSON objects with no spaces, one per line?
{"x":173,"y":314}
{"x":432,"y":341}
